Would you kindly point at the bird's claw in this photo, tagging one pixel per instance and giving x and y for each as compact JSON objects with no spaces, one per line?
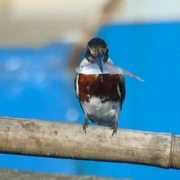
{"x":85,"y":124}
{"x":114,"y":129}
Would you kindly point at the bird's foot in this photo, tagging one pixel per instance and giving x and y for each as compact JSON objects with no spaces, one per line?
{"x":114,"y":129}
{"x":85,"y":124}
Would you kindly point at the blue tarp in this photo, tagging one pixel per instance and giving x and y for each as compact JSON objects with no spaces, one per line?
{"x":34,"y":83}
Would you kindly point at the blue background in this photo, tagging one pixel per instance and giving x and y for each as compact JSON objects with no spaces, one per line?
{"x":34,"y":83}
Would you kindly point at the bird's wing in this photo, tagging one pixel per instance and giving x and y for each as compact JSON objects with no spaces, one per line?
{"x":122,"y":88}
{"x":76,"y":84}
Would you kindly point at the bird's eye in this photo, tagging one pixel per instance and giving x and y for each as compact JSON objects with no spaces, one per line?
{"x":88,"y":51}
{"x":107,"y":51}
{"x":90,"y":57}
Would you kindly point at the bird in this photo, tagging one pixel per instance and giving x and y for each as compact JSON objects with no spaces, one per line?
{"x":101,"y":95}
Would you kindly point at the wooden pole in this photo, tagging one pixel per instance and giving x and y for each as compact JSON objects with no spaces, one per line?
{"x":7,"y":174}
{"x":67,"y":140}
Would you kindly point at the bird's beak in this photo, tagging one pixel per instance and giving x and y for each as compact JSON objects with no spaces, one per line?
{"x":99,"y":60}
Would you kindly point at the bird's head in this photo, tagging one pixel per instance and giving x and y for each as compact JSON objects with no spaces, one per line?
{"x":97,"y":52}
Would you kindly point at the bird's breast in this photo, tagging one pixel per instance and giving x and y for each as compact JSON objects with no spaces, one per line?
{"x":103,"y":86}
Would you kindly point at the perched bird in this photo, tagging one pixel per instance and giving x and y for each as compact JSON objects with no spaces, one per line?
{"x":101,"y":95}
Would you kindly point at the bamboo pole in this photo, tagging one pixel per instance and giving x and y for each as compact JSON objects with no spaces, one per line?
{"x":7,"y":174}
{"x":67,"y":140}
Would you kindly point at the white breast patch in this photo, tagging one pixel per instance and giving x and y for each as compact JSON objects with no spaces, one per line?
{"x":105,"y":114}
